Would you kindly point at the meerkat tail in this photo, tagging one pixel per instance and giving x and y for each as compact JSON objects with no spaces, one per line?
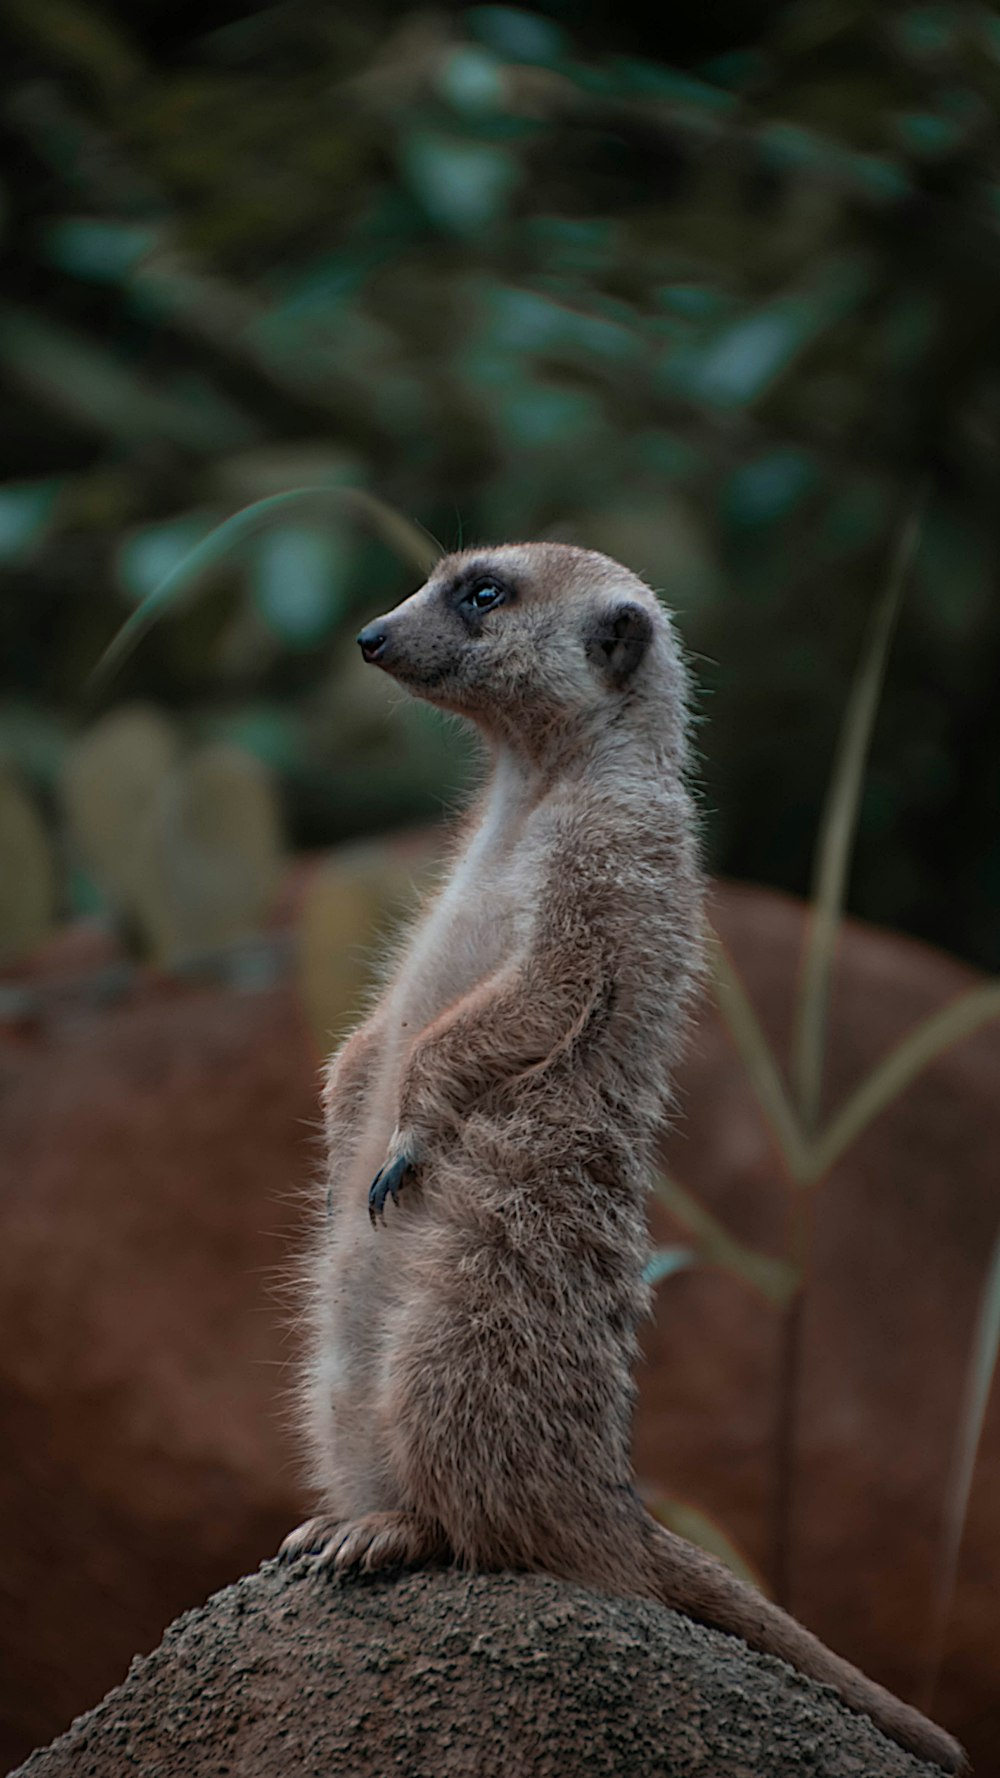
{"x":694,"y":1583}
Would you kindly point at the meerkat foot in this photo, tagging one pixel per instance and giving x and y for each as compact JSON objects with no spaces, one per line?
{"x":309,"y":1538}
{"x":386,"y":1184}
{"x":367,"y":1545}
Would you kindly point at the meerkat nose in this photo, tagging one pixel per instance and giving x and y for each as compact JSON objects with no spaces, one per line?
{"x":372,"y":641}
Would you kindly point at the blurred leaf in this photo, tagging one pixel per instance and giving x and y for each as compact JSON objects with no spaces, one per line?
{"x":664,"y":1262}
{"x":520,"y":36}
{"x":471,"y":80}
{"x":978,"y":1385}
{"x":774,"y":1279}
{"x":91,"y":385}
{"x":925,"y":30}
{"x":653,"y":80}
{"x":148,"y":555}
{"x":464,"y":186}
{"x":837,"y":831}
{"x":699,"y":1528}
{"x":26,"y":510}
{"x":766,"y":489}
{"x":928,"y":134}
{"x":535,"y":414}
{"x":744,"y":359}
{"x":411,"y":543}
{"x":523,"y":320}
{"x":27,"y":879}
{"x":699,"y":301}
{"x":98,"y":249}
{"x":298,"y":575}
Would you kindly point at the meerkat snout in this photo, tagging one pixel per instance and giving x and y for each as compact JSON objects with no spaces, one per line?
{"x":372,"y":641}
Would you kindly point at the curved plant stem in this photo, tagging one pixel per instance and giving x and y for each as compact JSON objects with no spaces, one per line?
{"x":978,"y":1383}
{"x":408,"y":541}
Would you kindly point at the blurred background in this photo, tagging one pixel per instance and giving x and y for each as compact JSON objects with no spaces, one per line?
{"x":714,"y":290}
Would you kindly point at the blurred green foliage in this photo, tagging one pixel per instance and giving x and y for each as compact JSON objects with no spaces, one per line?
{"x":715,"y":295}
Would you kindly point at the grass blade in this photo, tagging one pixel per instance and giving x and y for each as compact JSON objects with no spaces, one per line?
{"x":665,"y":1262}
{"x":901,"y":1067}
{"x":408,"y":541}
{"x":978,"y":1383}
{"x":838,"y":829}
{"x":758,"y":1059}
{"x":773,"y":1279}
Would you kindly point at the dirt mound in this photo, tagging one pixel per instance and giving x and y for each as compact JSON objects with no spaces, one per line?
{"x":459,"y":1676}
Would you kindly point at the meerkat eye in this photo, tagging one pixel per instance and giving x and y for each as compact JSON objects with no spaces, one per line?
{"x":484,"y":596}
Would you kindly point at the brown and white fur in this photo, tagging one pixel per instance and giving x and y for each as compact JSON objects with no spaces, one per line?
{"x":470,"y":1391}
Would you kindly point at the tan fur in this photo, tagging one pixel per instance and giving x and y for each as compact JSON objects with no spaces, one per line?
{"x":470,"y":1388}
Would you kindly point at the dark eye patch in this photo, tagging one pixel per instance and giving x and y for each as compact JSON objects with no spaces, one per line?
{"x":477,"y":590}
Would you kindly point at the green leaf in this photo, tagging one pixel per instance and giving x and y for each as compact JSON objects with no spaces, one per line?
{"x":768,"y":488}
{"x":518,"y":35}
{"x":664,"y":1262}
{"x":26,"y":510}
{"x":471,"y":80}
{"x":652,"y":80}
{"x":96,"y":249}
{"x":979,"y":1376}
{"x":929,"y":135}
{"x":298,"y":575}
{"x":147,"y":556}
{"x":837,"y":832}
{"x":463,"y":186}
{"x":744,"y":360}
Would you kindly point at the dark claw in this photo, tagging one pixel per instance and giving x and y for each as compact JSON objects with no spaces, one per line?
{"x":386,"y":1184}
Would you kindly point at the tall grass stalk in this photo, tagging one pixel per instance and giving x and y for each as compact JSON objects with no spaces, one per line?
{"x":975,"y":1396}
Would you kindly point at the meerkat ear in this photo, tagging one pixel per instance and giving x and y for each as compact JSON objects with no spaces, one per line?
{"x":618,"y":641}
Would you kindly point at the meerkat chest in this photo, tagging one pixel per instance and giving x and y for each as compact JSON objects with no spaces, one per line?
{"x":481,"y":920}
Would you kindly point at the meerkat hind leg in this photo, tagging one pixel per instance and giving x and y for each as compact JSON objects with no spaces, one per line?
{"x":373,"y":1542}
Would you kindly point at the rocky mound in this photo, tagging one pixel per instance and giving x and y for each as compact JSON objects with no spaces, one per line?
{"x":459,"y":1676}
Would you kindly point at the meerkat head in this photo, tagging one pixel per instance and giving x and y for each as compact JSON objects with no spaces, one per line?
{"x":542,"y":634}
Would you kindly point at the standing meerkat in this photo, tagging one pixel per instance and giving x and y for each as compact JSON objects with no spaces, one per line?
{"x":469,"y":1391}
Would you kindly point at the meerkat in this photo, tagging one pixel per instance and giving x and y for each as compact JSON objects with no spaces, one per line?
{"x":478,"y":1278}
